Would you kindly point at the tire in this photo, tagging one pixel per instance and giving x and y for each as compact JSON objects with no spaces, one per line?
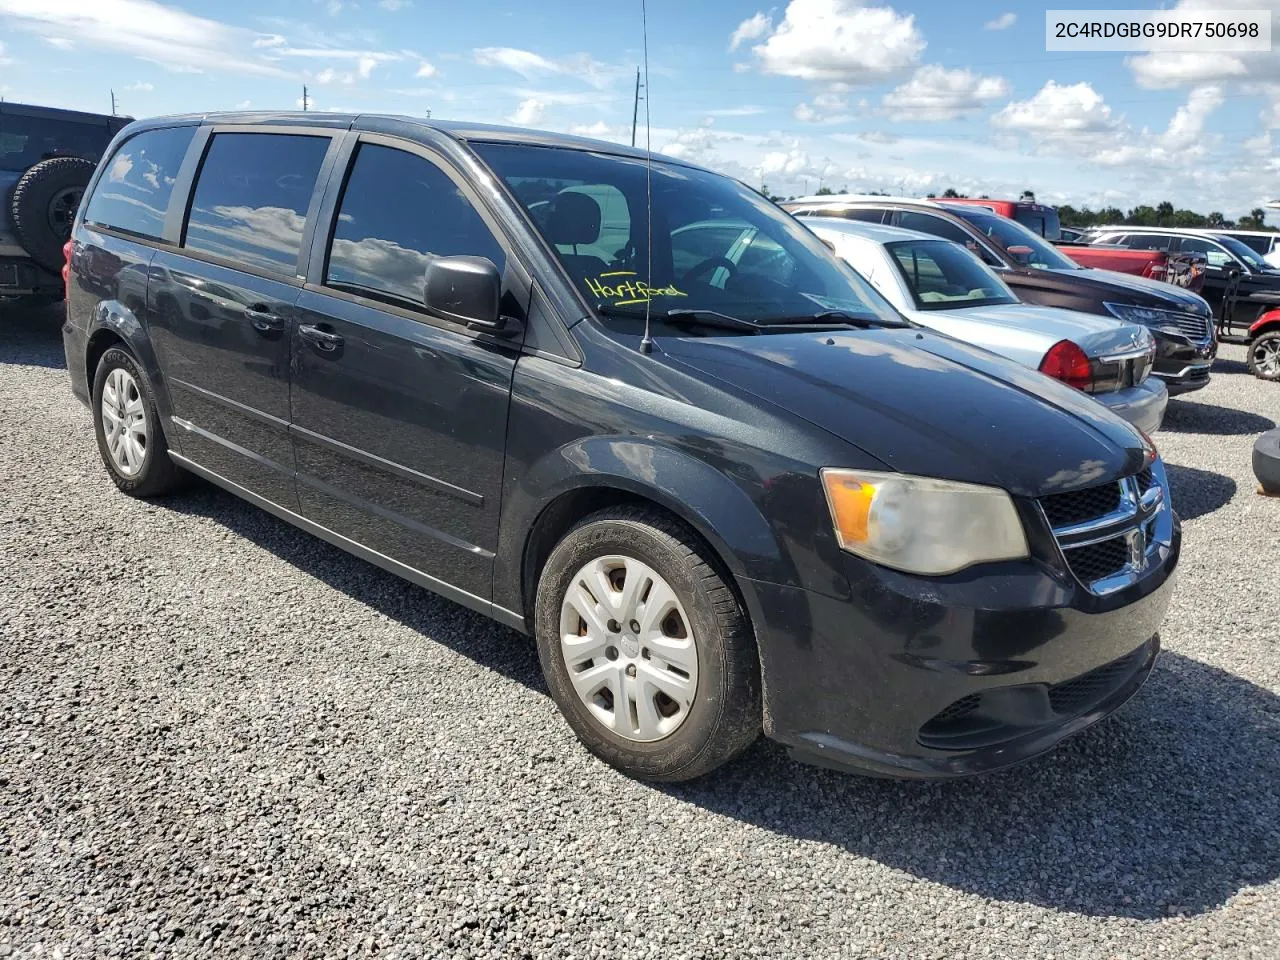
{"x":121,"y":386}
{"x":700,"y":630}
{"x":1264,"y":356}
{"x":44,"y":203}
{"x":1266,"y":462}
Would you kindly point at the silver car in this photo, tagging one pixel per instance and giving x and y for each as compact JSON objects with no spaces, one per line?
{"x":941,"y":285}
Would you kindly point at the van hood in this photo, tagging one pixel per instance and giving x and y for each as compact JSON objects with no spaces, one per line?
{"x":928,"y":405}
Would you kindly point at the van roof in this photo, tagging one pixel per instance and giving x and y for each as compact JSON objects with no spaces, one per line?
{"x":406,"y":126}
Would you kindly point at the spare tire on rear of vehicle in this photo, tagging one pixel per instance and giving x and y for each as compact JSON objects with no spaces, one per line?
{"x":44,"y":204}
{"x":1266,"y":462}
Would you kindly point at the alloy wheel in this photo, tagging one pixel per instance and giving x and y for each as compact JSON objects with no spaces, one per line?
{"x":1266,"y":357}
{"x":124,"y":422}
{"x":629,"y":648}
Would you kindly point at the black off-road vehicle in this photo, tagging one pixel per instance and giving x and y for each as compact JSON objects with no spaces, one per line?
{"x":47,"y":156}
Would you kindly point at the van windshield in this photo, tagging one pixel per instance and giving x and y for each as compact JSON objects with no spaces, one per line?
{"x":718,"y":246}
{"x":1027,"y":248}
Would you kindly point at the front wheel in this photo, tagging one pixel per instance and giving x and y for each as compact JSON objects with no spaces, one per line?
{"x":645,"y":648}
{"x":1264,"y":356}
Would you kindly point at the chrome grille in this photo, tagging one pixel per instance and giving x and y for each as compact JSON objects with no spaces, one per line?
{"x":1190,"y":326}
{"x":1108,"y":533}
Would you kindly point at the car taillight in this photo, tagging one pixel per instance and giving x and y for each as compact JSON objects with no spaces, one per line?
{"x":1067,"y":362}
{"x":66,"y":269}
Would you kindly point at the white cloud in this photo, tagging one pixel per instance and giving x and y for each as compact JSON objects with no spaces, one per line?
{"x":153,"y":31}
{"x":1058,"y":110}
{"x":829,"y":107}
{"x":746,"y":110}
{"x":935,"y":93}
{"x":528,"y":112}
{"x":426,"y":70}
{"x":142,"y":86}
{"x":1074,"y":120}
{"x":529,"y":65}
{"x":753,"y":28}
{"x":365,"y":67}
{"x":59,"y":43}
{"x":393,"y":6}
{"x":1174,"y":69}
{"x":840,"y":41}
{"x":269,"y":40}
{"x":1002,"y":22}
{"x":1187,"y":126}
{"x":599,"y":129}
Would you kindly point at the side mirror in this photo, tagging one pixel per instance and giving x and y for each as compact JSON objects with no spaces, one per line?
{"x":466,"y":290}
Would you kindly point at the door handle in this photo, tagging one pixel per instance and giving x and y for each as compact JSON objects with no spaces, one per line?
{"x":263,"y":320}
{"x":324,"y":339}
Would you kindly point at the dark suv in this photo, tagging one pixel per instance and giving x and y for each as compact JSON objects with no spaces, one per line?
{"x":635,"y":410}
{"x":46,"y":159}
{"x":1180,"y":321}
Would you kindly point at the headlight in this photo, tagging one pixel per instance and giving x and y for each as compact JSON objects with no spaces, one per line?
{"x":922,"y":525}
{"x":1150,"y":316}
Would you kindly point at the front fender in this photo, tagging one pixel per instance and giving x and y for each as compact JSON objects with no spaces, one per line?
{"x":718,"y":508}
{"x":1267,"y":322}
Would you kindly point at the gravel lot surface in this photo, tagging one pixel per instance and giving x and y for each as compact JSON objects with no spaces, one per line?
{"x":222,"y":737}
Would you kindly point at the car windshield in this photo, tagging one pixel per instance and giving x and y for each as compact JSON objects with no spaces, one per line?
{"x":942,"y":275}
{"x":1017,"y":241}
{"x":1244,"y":252}
{"x":718,"y":246}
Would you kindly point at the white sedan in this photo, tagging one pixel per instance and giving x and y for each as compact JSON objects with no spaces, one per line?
{"x":941,"y":285}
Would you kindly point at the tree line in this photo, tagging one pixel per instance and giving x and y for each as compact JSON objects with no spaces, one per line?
{"x":1144,"y":215}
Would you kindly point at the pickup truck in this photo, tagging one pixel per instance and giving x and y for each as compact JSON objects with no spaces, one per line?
{"x":1181,"y":269}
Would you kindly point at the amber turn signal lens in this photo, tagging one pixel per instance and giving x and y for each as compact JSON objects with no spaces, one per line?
{"x":850,"y":501}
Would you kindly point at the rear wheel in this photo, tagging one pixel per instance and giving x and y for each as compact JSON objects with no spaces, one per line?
{"x":1264,"y":356}
{"x":130,"y":439}
{"x":646,"y":650}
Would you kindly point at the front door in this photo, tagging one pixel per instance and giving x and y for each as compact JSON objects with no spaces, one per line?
{"x":399,"y":418}
{"x":220,"y":307}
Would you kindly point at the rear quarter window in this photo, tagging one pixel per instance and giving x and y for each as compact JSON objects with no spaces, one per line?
{"x":25,"y":141}
{"x":134,"y":190}
{"x":251,"y":197}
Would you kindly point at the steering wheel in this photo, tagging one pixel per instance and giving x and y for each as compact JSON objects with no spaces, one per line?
{"x":710,"y":263}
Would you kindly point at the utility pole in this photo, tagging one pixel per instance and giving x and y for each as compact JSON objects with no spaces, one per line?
{"x":635,"y":109}
{"x":113,"y":103}
{"x":304,"y":98}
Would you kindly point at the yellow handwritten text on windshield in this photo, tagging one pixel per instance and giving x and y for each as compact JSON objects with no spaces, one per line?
{"x":621,"y":288}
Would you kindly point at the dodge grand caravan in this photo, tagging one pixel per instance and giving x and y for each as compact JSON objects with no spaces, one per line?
{"x":779,"y":507}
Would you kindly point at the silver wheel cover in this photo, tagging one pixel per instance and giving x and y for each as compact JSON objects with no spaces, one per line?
{"x":124,"y":422}
{"x":629,"y":647}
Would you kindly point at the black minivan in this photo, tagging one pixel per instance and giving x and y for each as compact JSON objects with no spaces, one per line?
{"x":634,"y":409}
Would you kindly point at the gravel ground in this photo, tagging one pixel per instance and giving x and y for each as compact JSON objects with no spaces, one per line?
{"x":222,"y":737}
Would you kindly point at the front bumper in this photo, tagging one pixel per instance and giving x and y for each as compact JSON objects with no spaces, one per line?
{"x":1143,"y":405}
{"x":860,"y":682}
{"x":1183,"y":364}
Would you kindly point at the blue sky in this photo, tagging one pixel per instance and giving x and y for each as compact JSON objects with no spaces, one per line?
{"x":906,"y":96}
